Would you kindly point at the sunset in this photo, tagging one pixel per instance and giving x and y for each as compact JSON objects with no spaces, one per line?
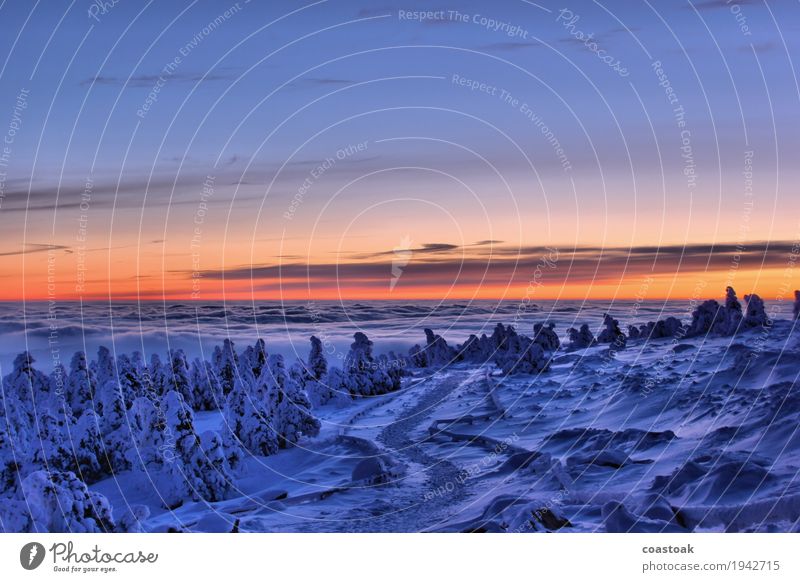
{"x":337,"y":266}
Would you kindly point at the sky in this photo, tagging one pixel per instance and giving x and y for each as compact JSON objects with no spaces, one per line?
{"x":284,"y":150}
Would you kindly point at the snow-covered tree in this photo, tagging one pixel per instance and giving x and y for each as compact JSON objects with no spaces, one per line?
{"x":663,"y":328}
{"x":226,"y":366}
{"x":437,"y":352}
{"x":158,"y":375}
{"x":364,"y":377}
{"x":546,"y":337}
{"x":733,"y":311}
{"x":11,"y":459}
{"x":207,"y":392}
{"x":248,"y":422}
{"x":178,"y":377}
{"x":317,"y":384}
{"x":317,"y":364}
{"x":105,"y":369}
{"x":611,"y":333}
{"x":25,"y":381}
{"x":191,"y":473}
{"x":756,"y":315}
{"x":526,"y":357}
{"x":254,"y":358}
{"x":132,"y":519}
{"x":289,"y":404}
{"x":147,"y":430}
{"x":471,"y":350}
{"x":80,"y":385}
{"x":117,"y":439}
{"x":87,"y":447}
{"x":130,"y":375}
{"x":705,"y":318}
{"x":59,"y":502}
{"x":582,"y":338}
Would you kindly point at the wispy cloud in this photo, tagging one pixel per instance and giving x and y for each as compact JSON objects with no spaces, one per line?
{"x":147,"y":81}
{"x":509,"y":46}
{"x":35,"y":248}
{"x":507,"y":265}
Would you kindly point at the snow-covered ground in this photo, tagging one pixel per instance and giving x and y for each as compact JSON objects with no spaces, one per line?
{"x":696,"y":434}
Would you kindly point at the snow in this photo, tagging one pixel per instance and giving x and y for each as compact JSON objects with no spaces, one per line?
{"x":692,"y":427}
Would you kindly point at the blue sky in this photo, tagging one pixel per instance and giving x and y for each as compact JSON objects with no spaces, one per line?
{"x":259,"y":95}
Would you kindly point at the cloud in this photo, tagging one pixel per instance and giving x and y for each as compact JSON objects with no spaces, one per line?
{"x":147,"y":81}
{"x":35,"y":248}
{"x":515,"y":265}
{"x":509,"y":46}
{"x":759,"y":47}
{"x":718,"y":4}
{"x":377,"y":11}
{"x":323,"y":81}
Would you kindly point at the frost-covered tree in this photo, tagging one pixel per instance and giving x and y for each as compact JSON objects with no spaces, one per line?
{"x":206,"y":389}
{"x":87,"y":447}
{"x":130,"y":376}
{"x":147,"y":430}
{"x":527,"y":357}
{"x":712,"y":318}
{"x":611,"y":333}
{"x":470,"y":351}
{"x":132,"y":519}
{"x":582,"y":338}
{"x":178,"y":377}
{"x":395,"y":368}
{"x":333,"y":387}
{"x":248,"y":422}
{"x":52,"y":447}
{"x":705,"y":318}
{"x":437,"y":352}
{"x":756,"y":315}
{"x":59,"y":502}
{"x":418,"y":356}
{"x":25,"y":381}
{"x":546,"y":337}
{"x":189,"y":471}
{"x":117,"y":439}
{"x":733,"y":310}
{"x":105,"y":368}
{"x":80,"y":385}
{"x":158,"y":375}
{"x":317,"y":385}
{"x":364,"y":377}
{"x":669,"y":327}
{"x":226,"y":366}
{"x":11,"y":459}
{"x":317,"y":363}
{"x":17,"y":399}
{"x":254,"y":358}
{"x":289,"y":404}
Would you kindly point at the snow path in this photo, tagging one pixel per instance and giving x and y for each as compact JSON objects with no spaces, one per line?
{"x":408,"y":496}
